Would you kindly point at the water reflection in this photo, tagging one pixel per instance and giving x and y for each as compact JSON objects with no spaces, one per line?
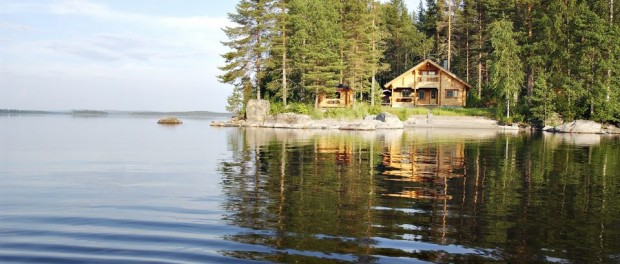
{"x":427,"y":167}
{"x":423,"y":195}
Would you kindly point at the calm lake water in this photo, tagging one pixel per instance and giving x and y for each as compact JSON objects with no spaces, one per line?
{"x":126,"y":190}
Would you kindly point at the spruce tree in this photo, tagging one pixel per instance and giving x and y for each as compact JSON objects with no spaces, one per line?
{"x":506,"y":69}
{"x":357,"y":26}
{"x":315,"y":42}
{"x":542,"y":99}
{"x":404,"y":44}
{"x":467,"y":28}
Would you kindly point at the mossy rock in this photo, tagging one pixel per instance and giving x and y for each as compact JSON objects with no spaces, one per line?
{"x":169,"y":121}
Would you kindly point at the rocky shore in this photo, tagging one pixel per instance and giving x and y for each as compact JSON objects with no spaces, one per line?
{"x":389,"y":121}
{"x":381,"y":121}
{"x":257,"y":115}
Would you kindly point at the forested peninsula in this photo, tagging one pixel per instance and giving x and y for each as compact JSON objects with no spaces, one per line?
{"x":525,"y":60}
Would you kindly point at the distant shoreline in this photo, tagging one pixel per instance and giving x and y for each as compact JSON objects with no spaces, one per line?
{"x":90,"y":113}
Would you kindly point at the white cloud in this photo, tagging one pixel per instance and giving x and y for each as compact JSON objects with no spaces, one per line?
{"x":16,"y":27}
{"x":100,"y":11}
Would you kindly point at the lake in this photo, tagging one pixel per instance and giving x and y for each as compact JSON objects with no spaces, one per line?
{"x":123,"y":189}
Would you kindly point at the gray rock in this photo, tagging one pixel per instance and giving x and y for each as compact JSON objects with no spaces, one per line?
{"x":610,"y":129}
{"x":250,"y":124}
{"x":388,"y":121}
{"x":360,"y":125}
{"x":291,"y":118}
{"x":580,"y":126}
{"x":324,"y":124}
{"x":257,"y":110}
{"x":511,"y":127}
{"x":370,"y":117}
{"x":548,"y":129}
{"x":468,"y":122}
{"x":218,"y":123}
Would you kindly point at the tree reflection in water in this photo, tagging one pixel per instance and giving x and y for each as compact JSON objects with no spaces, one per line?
{"x":424,"y":195}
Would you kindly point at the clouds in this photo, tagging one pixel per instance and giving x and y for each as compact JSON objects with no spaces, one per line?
{"x":112,"y":44}
{"x":103,"y":12}
{"x":14,"y":27}
{"x":113,"y":47}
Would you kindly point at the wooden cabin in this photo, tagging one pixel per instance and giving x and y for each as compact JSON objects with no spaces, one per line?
{"x":426,"y":84}
{"x":342,"y":97}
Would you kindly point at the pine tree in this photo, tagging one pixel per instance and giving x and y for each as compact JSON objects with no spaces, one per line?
{"x":276,"y":62}
{"x":247,"y":43}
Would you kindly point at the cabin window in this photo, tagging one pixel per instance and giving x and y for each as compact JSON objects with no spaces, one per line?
{"x":452,"y":93}
{"x":428,"y":73}
{"x":421,"y":95}
{"x":406,"y":93}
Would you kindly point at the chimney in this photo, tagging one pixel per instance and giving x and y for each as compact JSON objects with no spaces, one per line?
{"x":445,"y":64}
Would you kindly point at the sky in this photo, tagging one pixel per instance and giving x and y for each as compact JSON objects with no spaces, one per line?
{"x":159,"y":55}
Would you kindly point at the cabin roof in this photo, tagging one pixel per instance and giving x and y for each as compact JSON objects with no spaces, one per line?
{"x":467,"y":86}
{"x":343,"y":86}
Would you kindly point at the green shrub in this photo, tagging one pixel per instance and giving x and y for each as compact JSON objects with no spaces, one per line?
{"x":362,"y":109}
{"x":300,"y":108}
{"x":277,"y":108}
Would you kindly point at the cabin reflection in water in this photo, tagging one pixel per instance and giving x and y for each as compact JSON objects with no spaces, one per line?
{"x":339,"y":146}
{"x":423,"y":170}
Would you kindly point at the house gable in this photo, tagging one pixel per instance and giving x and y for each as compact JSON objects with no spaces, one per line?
{"x":424,"y":65}
{"x":426,"y":84}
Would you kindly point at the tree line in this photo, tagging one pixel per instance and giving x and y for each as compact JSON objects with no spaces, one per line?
{"x":528,"y":59}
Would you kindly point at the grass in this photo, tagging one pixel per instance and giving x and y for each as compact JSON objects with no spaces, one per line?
{"x":405,"y":113}
{"x":464,"y":112}
{"x":361,"y":110}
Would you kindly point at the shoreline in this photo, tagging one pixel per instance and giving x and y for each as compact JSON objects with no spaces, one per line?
{"x":383,"y":121}
{"x":387,"y":121}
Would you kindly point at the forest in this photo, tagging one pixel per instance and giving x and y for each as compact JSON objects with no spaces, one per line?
{"x":527,"y":60}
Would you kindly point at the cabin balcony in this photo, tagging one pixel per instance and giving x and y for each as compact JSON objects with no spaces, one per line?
{"x":428,"y":81}
{"x":403,"y":102}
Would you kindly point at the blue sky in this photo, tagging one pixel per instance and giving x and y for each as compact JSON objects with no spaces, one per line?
{"x":113,"y":55}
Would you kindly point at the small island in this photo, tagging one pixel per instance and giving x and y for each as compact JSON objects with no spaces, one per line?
{"x":169,"y":121}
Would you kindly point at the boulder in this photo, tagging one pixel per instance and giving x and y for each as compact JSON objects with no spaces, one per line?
{"x":325,"y":124}
{"x":291,"y":118}
{"x":218,"y":123}
{"x":611,"y":129}
{"x":257,"y":110}
{"x":510,"y":127}
{"x":169,"y":121}
{"x":388,"y":121}
{"x":361,"y":125}
{"x":580,"y":126}
{"x":370,"y":117}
